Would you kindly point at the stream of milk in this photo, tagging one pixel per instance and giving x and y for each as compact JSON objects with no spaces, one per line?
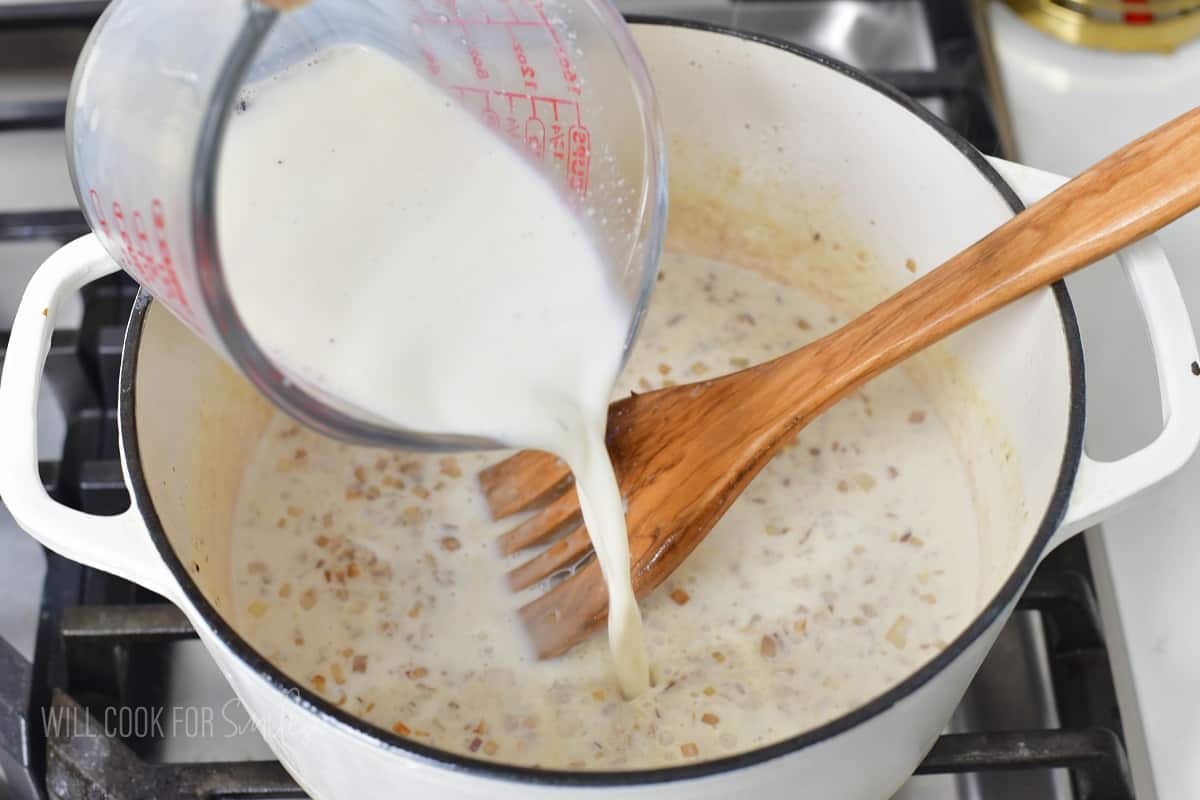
{"x":428,"y":275}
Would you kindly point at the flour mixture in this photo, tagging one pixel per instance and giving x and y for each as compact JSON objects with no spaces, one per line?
{"x":373,"y":578}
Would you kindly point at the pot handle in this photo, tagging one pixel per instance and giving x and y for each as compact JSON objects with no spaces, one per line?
{"x":117,"y":544}
{"x":1103,"y":486}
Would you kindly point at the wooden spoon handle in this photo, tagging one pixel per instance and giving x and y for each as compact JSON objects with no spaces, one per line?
{"x":1132,"y":193}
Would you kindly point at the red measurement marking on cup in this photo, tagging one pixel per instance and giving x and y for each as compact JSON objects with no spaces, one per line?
{"x":561,"y":133}
{"x":431,"y":62}
{"x":564,"y":61}
{"x":579,"y":163}
{"x":535,"y":136}
{"x":544,"y":124}
{"x":528,"y":73}
{"x":489,"y":115}
{"x":149,"y":261}
{"x":514,"y":21}
{"x":481,"y":71}
{"x":426,"y":49}
{"x":461,"y":21}
{"x":158,"y":216}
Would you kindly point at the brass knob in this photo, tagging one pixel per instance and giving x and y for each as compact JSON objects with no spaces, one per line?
{"x":1153,"y":26}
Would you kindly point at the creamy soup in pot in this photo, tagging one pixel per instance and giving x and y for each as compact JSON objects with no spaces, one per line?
{"x":373,"y":577}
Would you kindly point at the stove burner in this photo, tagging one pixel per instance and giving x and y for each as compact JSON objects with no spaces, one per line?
{"x":101,"y":642}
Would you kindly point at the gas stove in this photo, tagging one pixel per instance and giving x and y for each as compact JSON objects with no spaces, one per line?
{"x":91,"y":666}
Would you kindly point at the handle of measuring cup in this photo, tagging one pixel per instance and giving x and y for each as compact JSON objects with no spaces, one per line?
{"x":117,"y":544}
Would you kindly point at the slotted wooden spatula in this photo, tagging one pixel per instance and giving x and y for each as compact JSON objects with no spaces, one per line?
{"x":683,"y":454}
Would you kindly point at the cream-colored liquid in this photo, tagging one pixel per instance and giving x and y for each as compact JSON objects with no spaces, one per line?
{"x":847,"y":563}
{"x":388,"y":249}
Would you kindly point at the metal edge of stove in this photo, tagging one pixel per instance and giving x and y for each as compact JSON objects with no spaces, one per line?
{"x":1006,"y":138}
{"x":891,"y":36}
{"x":1131,"y":718}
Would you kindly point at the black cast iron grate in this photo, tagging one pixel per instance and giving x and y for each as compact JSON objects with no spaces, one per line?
{"x":90,"y":622}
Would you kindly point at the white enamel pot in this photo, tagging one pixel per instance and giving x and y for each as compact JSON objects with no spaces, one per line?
{"x":780,"y":159}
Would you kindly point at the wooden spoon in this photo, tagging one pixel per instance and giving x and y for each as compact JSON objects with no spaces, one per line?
{"x":683,"y":454}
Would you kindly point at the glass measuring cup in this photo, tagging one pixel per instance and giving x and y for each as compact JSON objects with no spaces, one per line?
{"x":158,"y":81}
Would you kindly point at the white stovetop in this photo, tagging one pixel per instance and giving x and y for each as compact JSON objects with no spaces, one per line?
{"x":1069,"y":107}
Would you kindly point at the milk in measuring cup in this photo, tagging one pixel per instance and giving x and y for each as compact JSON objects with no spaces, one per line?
{"x":382,"y":244}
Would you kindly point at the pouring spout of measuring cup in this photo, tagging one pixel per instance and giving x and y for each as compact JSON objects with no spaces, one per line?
{"x":437,"y":242}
